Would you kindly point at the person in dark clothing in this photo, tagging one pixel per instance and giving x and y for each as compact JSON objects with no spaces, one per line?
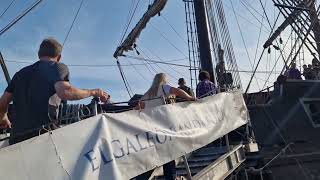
{"x":293,"y":72}
{"x":37,"y":88}
{"x":308,"y":73}
{"x":205,"y":87}
{"x":182,"y":85}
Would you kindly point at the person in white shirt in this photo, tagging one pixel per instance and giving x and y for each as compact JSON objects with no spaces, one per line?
{"x":161,"y":93}
{"x":158,"y":94}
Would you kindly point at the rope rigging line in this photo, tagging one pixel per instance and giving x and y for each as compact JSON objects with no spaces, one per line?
{"x":8,"y":7}
{"x":163,"y":70}
{"x":160,"y":59}
{"x":254,"y":9}
{"x":173,"y":28}
{"x":243,"y":41}
{"x":73,"y":21}
{"x":154,"y":61}
{"x":275,"y":65}
{"x":141,"y":75}
{"x":19,"y":17}
{"x":259,"y":37}
{"x":246,"y":19}
{"x":193,"y":44}
{"x":253,"y":15}
{"x":131,"y":16}
{"x":126,"y":83}
{"x":90,"y":65}
{"x":147,"y":63}
{"x":167,"y":39}
{"x":260,"y":58}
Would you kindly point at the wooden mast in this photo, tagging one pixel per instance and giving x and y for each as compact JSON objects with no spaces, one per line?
{"x":203,"y":37}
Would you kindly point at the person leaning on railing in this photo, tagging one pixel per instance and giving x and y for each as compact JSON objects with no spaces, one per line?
{"x":161,"y":93}
{"x":158,"y":94}
{"x":35,"y":89}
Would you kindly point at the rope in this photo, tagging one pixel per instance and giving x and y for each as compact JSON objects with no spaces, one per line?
{"x":167,"y":39}
{"x":275,"y":65}
{"x":129,"y":22}
{"x":262,"y":16}
{"x":259,"y":37}
{"x":243,"y":41}
{"x":93,"y":65}
{"x":174,"y":29}
{"x":160,"y":59}
{"x":154,"y":61}
{"x":73,"y":21}
{"x":246,"y":19}
{"x":260,"y":58}
{"x":19,"y":17}
{"x":126,"y":84}
{"x":163,"y":70}
{"x":8,"y":7}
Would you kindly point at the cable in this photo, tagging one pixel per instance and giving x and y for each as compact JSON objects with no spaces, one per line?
{"x":167,"y":39}
{"x":141,"y":75}
{"x":179,"y":35}
{"x":129,"y":22}
{"x":154,"y":61}
{"x":5,"y":11}
{"x":92,"y":65}
{"x":73,"y":21}
{"x":19,"y":17}
{"x":160,"y":59}
{"x":257,"y":47}
{"x":255,"y":17}
{"x":265,"y":29}
{"x":126,"y":84}
{"x":243,"y":41}
{"x":163,"y":70}
{"x":273,"y":68}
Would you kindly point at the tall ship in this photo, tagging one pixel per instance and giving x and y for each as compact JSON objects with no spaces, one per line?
{"x":236,"y":134}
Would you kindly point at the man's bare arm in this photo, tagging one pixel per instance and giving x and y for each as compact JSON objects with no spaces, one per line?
{"x":67,"y":92}
{"x":5,"y":100}
{"x":181,"y":93}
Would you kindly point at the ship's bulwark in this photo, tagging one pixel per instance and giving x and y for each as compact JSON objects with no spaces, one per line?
{"x":285,"y":120}
{"x":124,"y":145}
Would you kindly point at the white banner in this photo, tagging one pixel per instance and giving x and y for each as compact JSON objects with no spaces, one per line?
{"x":123,"y":145}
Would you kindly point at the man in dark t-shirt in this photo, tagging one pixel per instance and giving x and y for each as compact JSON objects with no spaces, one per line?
{"x":37,"y":88}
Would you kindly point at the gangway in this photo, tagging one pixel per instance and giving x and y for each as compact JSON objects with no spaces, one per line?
{"x":214,"y":163}
{"x":223,"y":166}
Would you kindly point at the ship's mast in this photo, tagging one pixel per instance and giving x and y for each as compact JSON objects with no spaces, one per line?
{"x":203,"y":37}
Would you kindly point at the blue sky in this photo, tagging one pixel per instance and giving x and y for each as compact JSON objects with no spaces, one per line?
{"x":97,"y":32}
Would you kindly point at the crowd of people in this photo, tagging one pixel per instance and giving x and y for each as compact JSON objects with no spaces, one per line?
{"x":310,"y":71}
{"x":37,"y":90}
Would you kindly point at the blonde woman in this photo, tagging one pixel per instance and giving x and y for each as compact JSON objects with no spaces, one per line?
{"x":160,"y":93}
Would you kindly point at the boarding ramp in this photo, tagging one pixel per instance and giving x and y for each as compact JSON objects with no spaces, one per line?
{"x":210,"y":162}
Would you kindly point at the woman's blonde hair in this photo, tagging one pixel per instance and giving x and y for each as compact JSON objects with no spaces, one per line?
{"x":159,"y":80}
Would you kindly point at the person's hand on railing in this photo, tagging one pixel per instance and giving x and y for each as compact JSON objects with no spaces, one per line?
{"x":194,"y":99}
{"x":140,"y":106}
{"x":104,"y":97}
{"x":5,"y":123}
